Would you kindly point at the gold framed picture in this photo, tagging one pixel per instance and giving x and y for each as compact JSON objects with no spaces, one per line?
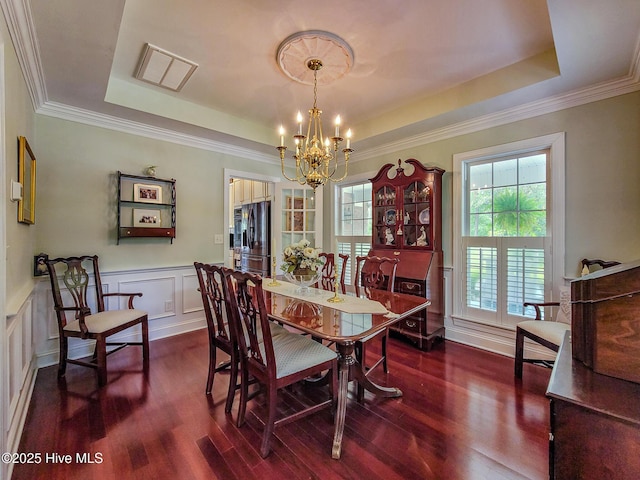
{"x":27,"y":178}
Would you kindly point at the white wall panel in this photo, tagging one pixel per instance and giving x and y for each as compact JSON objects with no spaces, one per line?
{"x":191,"y":297}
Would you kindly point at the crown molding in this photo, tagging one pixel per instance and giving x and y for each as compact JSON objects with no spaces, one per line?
{"x":87,"y":117}
{"x":22,"y":31}
{"x":627,"y":84}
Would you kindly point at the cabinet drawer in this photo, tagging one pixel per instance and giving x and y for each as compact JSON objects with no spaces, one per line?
{"x":410,"y":287}
{"x":412,"y":324}
{"x":147,"y":232}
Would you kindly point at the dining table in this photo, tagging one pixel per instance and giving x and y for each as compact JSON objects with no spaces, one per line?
{"x":342,"y":319}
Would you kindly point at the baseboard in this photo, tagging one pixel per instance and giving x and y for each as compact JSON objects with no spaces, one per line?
{"x":503,"y":344}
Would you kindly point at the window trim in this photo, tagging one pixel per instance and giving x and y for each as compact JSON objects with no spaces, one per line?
{"x":355,"y":179}
{"x":556,"y":144}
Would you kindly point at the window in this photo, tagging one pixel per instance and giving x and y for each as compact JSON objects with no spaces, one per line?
{"x":507,"y":214}
{"x":354,"y":222}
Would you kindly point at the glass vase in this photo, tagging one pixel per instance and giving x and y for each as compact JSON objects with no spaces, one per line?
{"x":303,"y":278}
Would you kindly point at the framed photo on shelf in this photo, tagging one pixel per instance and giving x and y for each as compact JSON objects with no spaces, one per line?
{"x":39,"y":265}
{"x":147,"y":193}
{"x":143,"y":217}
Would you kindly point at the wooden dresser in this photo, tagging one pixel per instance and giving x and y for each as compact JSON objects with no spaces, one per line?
{"x":595,"y":422}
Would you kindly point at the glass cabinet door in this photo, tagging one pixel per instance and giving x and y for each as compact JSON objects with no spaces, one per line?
{"x":416,"y":215}
{"x":385,"y":216}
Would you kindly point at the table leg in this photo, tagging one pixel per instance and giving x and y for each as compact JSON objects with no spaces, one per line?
{"x":348,"y":366}
{"x":344,"y":364}
{"x":359,"y":375}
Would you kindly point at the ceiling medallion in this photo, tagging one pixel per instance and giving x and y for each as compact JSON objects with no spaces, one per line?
{"x":296,"y":50}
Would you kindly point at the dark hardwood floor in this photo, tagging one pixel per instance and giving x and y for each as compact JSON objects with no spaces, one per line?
{"x":462,"y":416}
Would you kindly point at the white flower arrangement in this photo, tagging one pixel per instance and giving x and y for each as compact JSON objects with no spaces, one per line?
{"x":300,"y":256}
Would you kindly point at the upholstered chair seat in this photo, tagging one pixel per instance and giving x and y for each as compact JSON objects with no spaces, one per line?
{"x":294,"y":352}
{"x":550,"y":331}
{"x":102,"y":322}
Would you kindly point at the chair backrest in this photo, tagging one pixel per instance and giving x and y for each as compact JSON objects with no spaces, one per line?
{"x":588,"y":265}
{"x":326,"y":281}
{"x":563,"y":314}
{"x":74,"y":275}
{"x":377,"y":273}
{"x":248,"y":316}
{"x":212,"y":289}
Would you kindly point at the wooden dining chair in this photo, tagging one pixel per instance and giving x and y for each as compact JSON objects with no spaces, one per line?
{"x":274,"y":361}
{"x":327,"y":280}
{"x":211,"y":281}
{"x":551,"y":322}
{"x":379,"y":273}
{"x":71,"y":281}
{"x":215,"y":302}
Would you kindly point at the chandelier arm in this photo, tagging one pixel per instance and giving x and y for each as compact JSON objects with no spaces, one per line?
{"x":282,"y":167}
{"x":335,"y":166}
{"x":287,"y":177}
{"x":346,"y":168}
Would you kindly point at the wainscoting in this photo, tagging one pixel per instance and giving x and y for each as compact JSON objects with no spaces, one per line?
{"x":19,"y":374}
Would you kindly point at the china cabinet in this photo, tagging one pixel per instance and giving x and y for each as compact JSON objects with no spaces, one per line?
{"x":407,"y":224}
{"x":146,"y":207}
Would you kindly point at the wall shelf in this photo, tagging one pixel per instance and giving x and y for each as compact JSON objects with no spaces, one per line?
{"x":146,"y":207}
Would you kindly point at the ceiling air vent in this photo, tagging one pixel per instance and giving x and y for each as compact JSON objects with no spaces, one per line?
{"x":165,"y":69}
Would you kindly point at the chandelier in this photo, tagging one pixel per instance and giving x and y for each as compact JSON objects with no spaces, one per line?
{"x":316,"y":156}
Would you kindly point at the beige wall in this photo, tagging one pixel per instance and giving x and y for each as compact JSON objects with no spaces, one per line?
{"x":19,"y":120}
{"x":602,"y":174}
{"x":78,"y":188}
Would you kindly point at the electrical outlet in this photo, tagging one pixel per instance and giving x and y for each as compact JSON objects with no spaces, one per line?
{"x":217,"y":238}
{"x":168,"y":306}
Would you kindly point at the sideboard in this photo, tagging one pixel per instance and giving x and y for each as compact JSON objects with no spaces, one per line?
{"x":595,"y":422}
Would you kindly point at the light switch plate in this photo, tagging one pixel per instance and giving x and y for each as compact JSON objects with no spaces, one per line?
{"x":217,"y":238}
{"x":16,"y":191}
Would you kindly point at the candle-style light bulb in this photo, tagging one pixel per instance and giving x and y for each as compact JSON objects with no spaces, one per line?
{"x":281,"y":136}
{"x":349,"y":138}
{"x":337,"y":126}
{"x":299,"y":120}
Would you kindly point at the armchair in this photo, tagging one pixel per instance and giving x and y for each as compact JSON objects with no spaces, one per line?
{"x":71,"y":277}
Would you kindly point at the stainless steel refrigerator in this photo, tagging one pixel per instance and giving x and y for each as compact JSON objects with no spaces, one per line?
{"x":256,"y":238}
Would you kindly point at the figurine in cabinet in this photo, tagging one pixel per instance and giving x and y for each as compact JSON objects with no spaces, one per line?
{"x":388,"y":235}
{"x":422,"y":239}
